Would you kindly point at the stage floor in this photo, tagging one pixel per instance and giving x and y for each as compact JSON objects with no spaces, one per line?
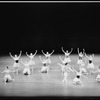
{"x":50,"y":84}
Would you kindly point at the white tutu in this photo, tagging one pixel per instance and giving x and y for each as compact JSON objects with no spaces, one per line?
{"x":7,"y":77}
{"x":31,"y":62}
{"x":16,"y":65}
{"x":67,"y":60}
{"x":79,"y":61}
{"x":76,"y":80}
{"x":44,"y":69}
{"x":98,"y":77}
{"x":83,"y":70}
{"x":48,"y":61}
{"x":26,"y":70}
{"x":91,"y":66}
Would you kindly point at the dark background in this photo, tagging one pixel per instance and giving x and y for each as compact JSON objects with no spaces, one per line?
{"x":48,"y":26}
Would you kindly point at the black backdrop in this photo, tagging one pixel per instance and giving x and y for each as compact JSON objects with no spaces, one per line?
{"x":48,"y":26}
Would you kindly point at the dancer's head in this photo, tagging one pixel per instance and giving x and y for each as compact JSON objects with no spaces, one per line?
{"x":47,"y":53}
{"x":15,"y":56}
{"x":66,"y":51}
{"x":81,"y":53}
{"x":31,"y":54}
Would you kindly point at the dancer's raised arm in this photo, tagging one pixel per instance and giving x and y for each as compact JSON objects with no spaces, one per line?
{"x":43,"y":52}
{"x":63,"y":50}
{"x":20,"y":54}
{"x":35,"y":53}
{"x":84,"y":51}
{"x":51,"y":52}
{"x":78,"y":50}
{"x":86,"y":55}
{"x":11,"y":55}
{"x":71,"y":51}
{"x":27,"y":54}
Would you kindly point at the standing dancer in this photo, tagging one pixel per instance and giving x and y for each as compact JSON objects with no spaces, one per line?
{"x":47,"y":55}
{"x":45,"y":67}
{"x":16,"y":62}
{"x":26,"y":70}
{"x":65,"y":69}
{"x":80,"y":56}
{"x":67,"y":54}
{"x":76,"y":80}
{"x":90,"y":63}
{"x":7,"y":77}
{"x":31,"y":62}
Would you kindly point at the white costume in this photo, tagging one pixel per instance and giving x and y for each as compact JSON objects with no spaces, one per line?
{"x":77,"y":80}
{"x":48,"y":60}
{"x":44,"y":69}
{"x":16,"y":62}
{"x":67,"y":60}
{"x":31,"y":62}
{"x":98,"y":76}
{"x":81,"y":68}
{"x":26,"y":70}
{"x":80,"y":59}
{"x":91,"y":66}
{"x":7,"y":77}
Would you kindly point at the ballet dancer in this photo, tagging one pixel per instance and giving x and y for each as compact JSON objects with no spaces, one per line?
{"x":80,"y":56}
{"x":47,"y":55}
{"x":77,"y":80}
{"x":45,"y":67}
{"x":65,"y":70}
{"x":90,"y":65}
{"x":82,"y":68}
{"x":26,"y":70}
{"x":31,"y":62}
{"x":67,"y":54}
{"x":31,"y":56}
{"x":16,"y":62}
{"x":7,"y":77}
